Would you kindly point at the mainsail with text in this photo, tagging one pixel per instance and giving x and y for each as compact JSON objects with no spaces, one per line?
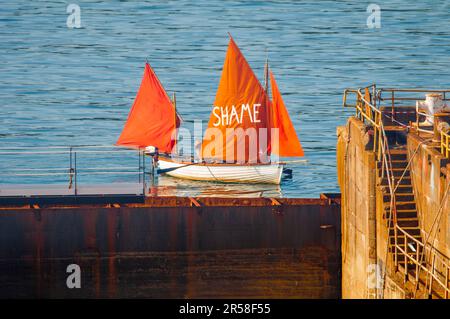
{"x":238,"y":126}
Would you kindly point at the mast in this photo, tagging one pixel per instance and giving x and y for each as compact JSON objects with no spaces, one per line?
{"x":239,"y":91}
{"x":266,"y":76}
{"x":174,"y":101}
{"x":268,"y":108}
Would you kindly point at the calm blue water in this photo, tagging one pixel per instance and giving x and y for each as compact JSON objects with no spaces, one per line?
{"x":61,"y":86}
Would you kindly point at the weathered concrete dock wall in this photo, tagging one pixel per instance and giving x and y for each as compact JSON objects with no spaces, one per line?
{"x":356,"y":172}
{"x":167,"y":249}
{"x":368,"y":270}
{"x":430,"y":173}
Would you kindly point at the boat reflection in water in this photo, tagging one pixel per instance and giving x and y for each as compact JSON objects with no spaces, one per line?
{"x":171,"y":186}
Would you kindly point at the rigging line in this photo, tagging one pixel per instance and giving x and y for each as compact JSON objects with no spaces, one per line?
{"x":409,"y":163}
{"x":209,"y":169}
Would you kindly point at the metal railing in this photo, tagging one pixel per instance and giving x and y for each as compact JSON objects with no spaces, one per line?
{"x":397,"y":98}
{"x":437,"y":271}
{"x":368,"y":112}
{"x":26,"y":165}
{"x":445,"y":144}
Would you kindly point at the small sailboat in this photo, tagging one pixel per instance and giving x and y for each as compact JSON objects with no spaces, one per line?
{"x":245,"y":133}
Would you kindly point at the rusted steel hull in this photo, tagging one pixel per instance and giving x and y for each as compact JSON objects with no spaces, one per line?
{"x":166,"y":248}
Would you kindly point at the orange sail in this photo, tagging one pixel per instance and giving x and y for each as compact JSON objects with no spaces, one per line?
{"x":289,"y":145}
{"x":152,"y":120}
{"x":239,"y":113}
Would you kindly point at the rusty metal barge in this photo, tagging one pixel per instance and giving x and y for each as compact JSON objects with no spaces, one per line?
{"x":169,"y":247}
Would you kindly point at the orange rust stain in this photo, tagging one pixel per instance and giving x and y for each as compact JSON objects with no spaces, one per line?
{"x":112,"y":233}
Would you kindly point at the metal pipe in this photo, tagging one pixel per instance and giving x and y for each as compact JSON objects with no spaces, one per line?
{"x":139,"y":175}
{"x":75,"y":160}
{"x":143,"y":173}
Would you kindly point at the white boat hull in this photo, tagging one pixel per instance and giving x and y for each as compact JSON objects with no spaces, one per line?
{"x":225,"y":173}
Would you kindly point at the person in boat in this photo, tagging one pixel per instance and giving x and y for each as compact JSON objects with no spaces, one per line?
{"x":198,"y":150}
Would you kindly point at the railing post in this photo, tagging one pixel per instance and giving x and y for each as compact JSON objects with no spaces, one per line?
{"x":143,"y":173}
{"x":344,"y":102}
{"x":417,"y":262}
{"x":374,"y":95}
{"x":447,"y":144}
{"x":447,"y":270}
{"x":381,"y":147}
{"x":417,"y":121}
{"x":375,"y":132}
{"x":432,"y":272}
{"x":75,"y":161}
{"x":395,"y":247}
{"x":405,"y":254}
{"x":394,"y":204}
{"x":139,"y":167}
{"x":393,"y":105}
{"x":70,"y":168}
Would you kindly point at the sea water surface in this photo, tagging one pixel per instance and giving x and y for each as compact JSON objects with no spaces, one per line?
{"x":75,"y":86}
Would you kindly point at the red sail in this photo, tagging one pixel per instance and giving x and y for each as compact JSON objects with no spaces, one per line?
{"x":289,"y":144}
{"x":152,"y":120}
{"x":239,"y":114}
